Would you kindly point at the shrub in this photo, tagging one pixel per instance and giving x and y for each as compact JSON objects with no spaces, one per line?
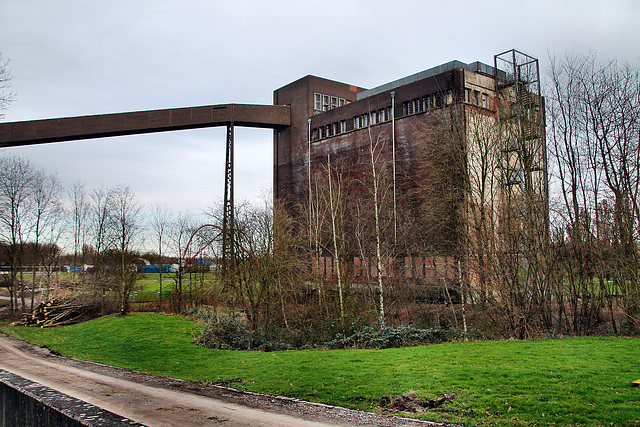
{"x":388,"y":336}
{"x":223,"y":332}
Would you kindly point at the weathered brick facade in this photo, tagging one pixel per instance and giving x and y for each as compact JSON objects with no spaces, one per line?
{"x":441,"y":122}
{"x":424,"y":113}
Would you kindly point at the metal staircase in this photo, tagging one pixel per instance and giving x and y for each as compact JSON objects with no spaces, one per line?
{"x":520,"y":123}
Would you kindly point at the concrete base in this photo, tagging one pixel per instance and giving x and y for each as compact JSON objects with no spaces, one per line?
{"x":27,"y":403}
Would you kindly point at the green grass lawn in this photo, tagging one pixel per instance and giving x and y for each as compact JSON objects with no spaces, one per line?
{"x":148,"y":285}
{"x":578,"y":381}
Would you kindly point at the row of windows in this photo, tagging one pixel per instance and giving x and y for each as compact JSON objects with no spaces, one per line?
{"x":426,"y":103}
{"x":373,"y":118}
{"x":329,"y":130}
{"x":414,"y":106}
{"x":475,"y":97}
{"x":322,"y":102}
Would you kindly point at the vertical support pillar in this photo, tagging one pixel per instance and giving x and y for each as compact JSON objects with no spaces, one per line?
{"x":228,"y":214}
{"x":393,"y":155}
{"x":310,"y":207}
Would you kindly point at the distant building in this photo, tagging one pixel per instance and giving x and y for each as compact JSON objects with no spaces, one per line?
{"x":157,"y":268}
{"x":77,"y":268}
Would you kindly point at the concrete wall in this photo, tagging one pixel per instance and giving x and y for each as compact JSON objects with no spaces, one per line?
{"x":27,"y":403}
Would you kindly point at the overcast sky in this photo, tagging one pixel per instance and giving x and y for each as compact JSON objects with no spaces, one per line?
{"x":79,"y":57}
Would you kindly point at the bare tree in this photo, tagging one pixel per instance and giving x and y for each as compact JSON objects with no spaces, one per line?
{"x":16,"y":184}
{"x":160,"y":218}
{"x":79,"y":213}
{"x":482,"y":210}
{"x":316,"y":224}
{"x":499,"y":164}
{"x":432,"y":199}
{"x":51,"y":251}
{"x":267,"y":265}
{"x":578,"y":179}
{"x":44,"y":217}
{"x":612,"y":103}
{"x":375,"y":243}
{"x":252,"y":274}
{"x":594,"y":112}
{"x":99,"y":214}
{"x":179,"y":234}
{"x":6,"y":97}
{"x":335,"y":199}
{"x":125,"y":230}
{"x":288,"y":263}
{"x":100,"y":210}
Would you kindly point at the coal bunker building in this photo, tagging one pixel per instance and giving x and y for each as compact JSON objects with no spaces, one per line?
{"x":459,"y":151}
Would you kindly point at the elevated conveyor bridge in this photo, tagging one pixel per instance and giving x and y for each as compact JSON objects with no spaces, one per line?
{"x":15,"y":134}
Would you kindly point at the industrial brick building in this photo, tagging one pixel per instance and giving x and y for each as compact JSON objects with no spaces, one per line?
{"x":452,"y":139}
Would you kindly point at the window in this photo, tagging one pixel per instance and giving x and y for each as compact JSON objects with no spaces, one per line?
{"x":325,"y":102}
{"x":448,"y":98}
{"x":485,"y":100}
{"x":356,"y":122}
{"x":336,"y":128}
{"x":383,"y":115}
{"x":317,"y":102}
{"x":329,"y":131}
{"x":467,"y":96}
{"x":427,"y":102}
{"x":322,"y":102}
{"x":365,"y":120}
{"x":314,"y":134}
{"x":406,"y":108}
{"x":476,"y":97}
{"x":374,"y":117}
{"x":321,"y":132}
{"x":417,"y":107}
{"x":343,"y":126}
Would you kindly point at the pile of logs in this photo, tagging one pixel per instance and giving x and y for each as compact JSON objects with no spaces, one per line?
{"x":55,"y":313}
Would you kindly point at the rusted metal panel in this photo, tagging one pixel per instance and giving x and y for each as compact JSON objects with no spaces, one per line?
{"x":139,"y":122}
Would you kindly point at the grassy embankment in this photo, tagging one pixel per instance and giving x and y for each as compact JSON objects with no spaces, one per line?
{"x":578,"y":381}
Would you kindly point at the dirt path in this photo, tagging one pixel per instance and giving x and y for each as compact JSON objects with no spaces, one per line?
{"x":159,"y":401}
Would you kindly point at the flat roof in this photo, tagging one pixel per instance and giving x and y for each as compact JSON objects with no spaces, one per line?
{"x":476,"y":67}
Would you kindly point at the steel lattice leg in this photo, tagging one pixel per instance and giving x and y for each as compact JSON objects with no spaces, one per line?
{"x":228,"y":216}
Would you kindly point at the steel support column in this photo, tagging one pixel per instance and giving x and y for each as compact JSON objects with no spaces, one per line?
{"x":228,"y":215}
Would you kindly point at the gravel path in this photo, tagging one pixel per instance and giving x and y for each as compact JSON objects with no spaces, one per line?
{"x":162,"y":401}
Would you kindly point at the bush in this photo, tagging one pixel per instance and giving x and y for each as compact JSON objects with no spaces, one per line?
{"x":222,"y":332}
{"x":230,"y":333}
{"x":388,"y":337}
